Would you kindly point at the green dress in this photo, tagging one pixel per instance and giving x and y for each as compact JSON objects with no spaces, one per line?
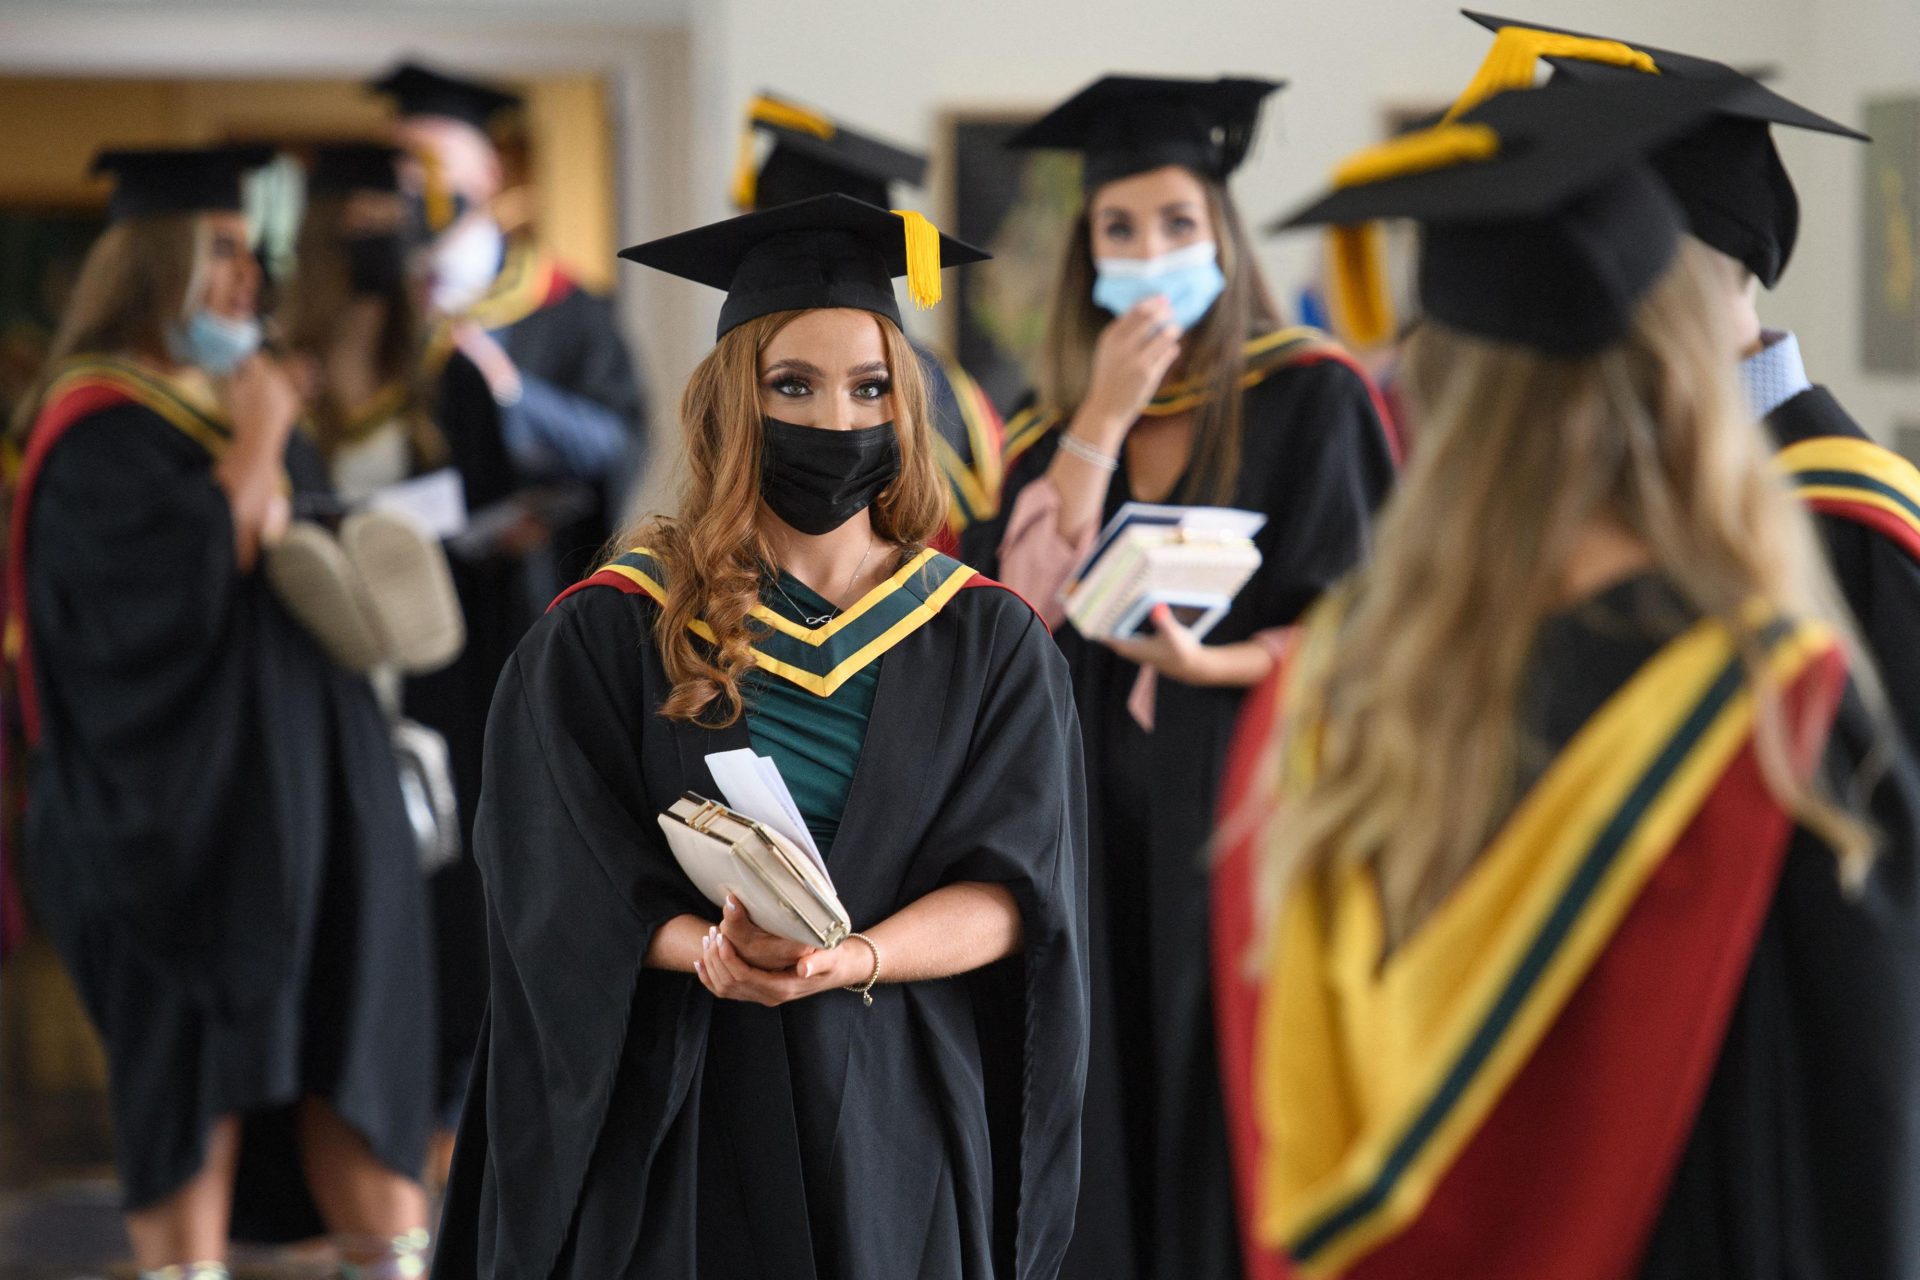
{"x":815,"y":739}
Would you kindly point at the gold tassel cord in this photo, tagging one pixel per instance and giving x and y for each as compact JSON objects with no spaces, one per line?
{"x":1357,"y":294}
{"x":923,"y":258}
{"x":1516,"y":54}
{"x":774,"y":114}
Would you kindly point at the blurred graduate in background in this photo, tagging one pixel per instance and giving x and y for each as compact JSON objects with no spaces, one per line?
{"x":573,"y":409}
{"x":216,"y":841}
{"x":1168,"y":377}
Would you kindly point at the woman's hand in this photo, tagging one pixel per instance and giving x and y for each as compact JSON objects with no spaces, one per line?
{"x":755,"y":945}
{"x":1171,"y":649}
{"x":1130,"y":360}
{"x":725,"y":972}
{"x":263,"y":402}
{"x":502,"y":375}
{"x":1176,"y":653}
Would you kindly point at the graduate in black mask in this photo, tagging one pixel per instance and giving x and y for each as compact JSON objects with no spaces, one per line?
{"x":387,"y":403}
{"x":663,"y":1088}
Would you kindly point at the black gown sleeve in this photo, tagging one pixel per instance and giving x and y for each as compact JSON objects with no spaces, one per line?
{"x":578,"y":879}
{"x":141,"y":633}
{"x":1804,"y":1163}
{"x":1016,"y":816}
{"x":1328,"y":471}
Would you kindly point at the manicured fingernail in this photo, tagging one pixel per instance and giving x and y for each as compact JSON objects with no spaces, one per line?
{"x":806,"y":971}
{"x":728,"y":908}
{"x":706,"y":942}
{"x":699,"y":968}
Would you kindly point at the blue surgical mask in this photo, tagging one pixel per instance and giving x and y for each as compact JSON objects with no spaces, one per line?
{"x":213,"y":342}
{"x":1188,"y":277}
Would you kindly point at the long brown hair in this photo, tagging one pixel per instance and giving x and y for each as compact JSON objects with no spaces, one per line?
{"x":132,"y":287}
{"x":713,"y":552}
{"x":1519,"y":454}
{"x":319,"y":291}
{"x":1215,"y":349}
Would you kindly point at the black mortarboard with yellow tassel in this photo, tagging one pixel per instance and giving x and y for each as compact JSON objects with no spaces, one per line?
{"x":1542,"y":223}
{"x":1726,"y":174}
{"x":815,"y":155}
{"x":830,"y":251}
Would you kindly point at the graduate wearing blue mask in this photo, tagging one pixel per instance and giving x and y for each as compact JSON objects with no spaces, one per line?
{"x":1168,"y":377}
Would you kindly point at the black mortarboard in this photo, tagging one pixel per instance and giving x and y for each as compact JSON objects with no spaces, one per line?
{"x":1130,"y":124}
{"x":422,"y":91}
{"x":177,"y":180}
{"x":342,"y":167}
{"x":814,"y":155}
{"x":830,"y":251}
{"x":1727,"y":173}
{"x":1543,"y":224}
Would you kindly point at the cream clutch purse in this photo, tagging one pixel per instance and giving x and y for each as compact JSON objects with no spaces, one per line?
{"x":783,"y":890}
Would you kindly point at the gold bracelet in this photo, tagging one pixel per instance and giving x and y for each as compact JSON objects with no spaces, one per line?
{"x":865,"y":989}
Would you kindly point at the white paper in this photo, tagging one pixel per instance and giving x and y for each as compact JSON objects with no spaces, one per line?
{"x":436,"y":500}
{"x":751,"y":784}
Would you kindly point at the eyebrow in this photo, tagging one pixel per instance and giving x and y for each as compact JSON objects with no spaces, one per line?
{"x":1180,"y":206}
{"x":870,"y":367}
{"x":794,"y":366}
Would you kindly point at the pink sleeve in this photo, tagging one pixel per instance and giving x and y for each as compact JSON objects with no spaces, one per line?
{"x":1034,"y":559}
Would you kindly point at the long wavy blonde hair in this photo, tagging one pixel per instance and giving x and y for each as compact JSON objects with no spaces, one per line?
{"x":133,"y":285}
{"x":713,"y":551}
{"x":1215,"y":353}
{"x":1519,"y":454}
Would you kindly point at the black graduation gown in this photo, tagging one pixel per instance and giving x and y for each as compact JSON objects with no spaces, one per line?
{"x":497,"y":600}
{"x":574,"y":343}
{"x":216,"y":842}
{"x":1804,"y":1161}
{"x":1156,"y":1198}
{"x":1881,"y":582}
{"x":624,"y":1123}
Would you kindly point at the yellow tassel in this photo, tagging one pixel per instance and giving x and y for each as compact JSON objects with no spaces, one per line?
{"x":923,"y":258}
{"x":1358,"y":299}
{"x":436,"y":198}
{"x":1441,"y":147}
{"x":778,"y":115}
{"x":784,"y":115}
{"x":1516,"y":54}
{"x":746,"y":174}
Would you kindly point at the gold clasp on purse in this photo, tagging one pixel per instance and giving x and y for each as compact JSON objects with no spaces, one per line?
{"x":704,"y":816}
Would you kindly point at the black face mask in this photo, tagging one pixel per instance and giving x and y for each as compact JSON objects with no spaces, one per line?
{"x":376,"y":264}
{"x":817,"y":480}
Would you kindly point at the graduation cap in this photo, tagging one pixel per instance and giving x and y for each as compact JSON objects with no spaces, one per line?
{"x":340,"y":168}
{"x":814,"y":155}
{"x":421,"y":91}
{"x":1130,"y":124}
{"x":830,"y":251}
{"x":1726,"y":174}
{"x":177,"y":180}
{"x":1543,"y":224}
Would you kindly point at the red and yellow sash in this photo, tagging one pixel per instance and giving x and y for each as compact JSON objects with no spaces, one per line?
{"x":1265,"y":355}
{"x":84,"y":386}
{"x":1858,"y":480}
{"x":1506,"y":1094}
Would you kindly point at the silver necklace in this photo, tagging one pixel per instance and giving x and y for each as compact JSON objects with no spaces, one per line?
{"x":821,"y":620}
